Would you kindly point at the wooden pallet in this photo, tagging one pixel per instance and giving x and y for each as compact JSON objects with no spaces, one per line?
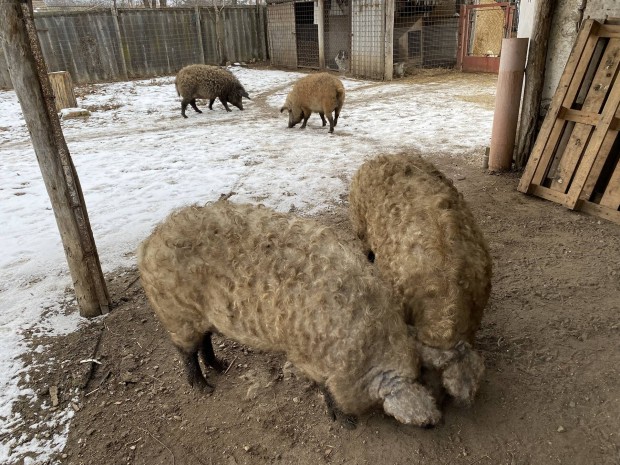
{"x":574,"y":161}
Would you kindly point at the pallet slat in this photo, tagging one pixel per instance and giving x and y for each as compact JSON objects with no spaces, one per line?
{"x":611,"y":197}
{"x":594,"y":100}
{"x":593,"y":150}
{"x":583,"y":39}
{"x":581,"y":129}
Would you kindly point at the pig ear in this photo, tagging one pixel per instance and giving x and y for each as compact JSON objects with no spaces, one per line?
{"x":283,"y":108}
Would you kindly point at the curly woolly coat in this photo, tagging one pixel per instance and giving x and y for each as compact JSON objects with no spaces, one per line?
{"x":286,"y":284}
{"x":427,"y":244}
{"x":321,"y":93}
{"x":208,"y":82}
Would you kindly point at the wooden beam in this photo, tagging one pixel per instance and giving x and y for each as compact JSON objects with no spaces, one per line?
{"x":388,"y":73}
{"x":598,"y":210}
{"x":321,"y":27}
{"x":578,"y":116}
{"x":31,"y":83}
{"x":534,"y":80}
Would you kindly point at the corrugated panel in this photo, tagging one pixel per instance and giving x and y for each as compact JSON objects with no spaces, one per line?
{"x":281,"y":31}
{"x":367,"y":38}
{"x":159,"y":41}
{"x":85,"y":44}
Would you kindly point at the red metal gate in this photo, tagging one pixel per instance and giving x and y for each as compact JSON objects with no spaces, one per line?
{"x":481,"y":30}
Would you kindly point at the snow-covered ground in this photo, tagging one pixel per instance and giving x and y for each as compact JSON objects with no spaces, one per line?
{"x":138,"y":159}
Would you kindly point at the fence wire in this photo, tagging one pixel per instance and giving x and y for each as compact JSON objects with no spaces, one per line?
{"x":425,"y":34}
{"x":337,"y":21}
{"x":96,"y":44}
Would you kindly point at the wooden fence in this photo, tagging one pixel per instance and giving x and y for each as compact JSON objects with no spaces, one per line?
{"x":106,"y":45}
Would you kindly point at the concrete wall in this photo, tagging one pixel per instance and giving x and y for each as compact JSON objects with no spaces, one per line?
{"x":564,"y":29}
{"x":526,"y":18}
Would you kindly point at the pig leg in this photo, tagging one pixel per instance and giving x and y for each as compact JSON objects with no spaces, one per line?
{"x":193,"y":104}
{"x":208,"y":355}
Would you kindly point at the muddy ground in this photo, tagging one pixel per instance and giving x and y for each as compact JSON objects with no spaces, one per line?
{"x":550,"y":336}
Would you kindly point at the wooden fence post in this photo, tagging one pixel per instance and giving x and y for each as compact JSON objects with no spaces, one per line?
{"x":321,"y":28}
{"x":389,"y":41}
{"x":31,"y":83}
{"x":534,"y":80}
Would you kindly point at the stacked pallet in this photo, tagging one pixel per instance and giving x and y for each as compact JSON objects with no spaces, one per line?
{"x":575,"y":158}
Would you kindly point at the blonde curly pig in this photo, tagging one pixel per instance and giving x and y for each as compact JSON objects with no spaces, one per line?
{"x":284,"y":284}
{"x":424,"y":240}
{"x":321,"y":93}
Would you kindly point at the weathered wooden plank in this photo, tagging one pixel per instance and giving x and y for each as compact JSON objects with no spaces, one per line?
{"x":599,"y":210}
{"x":566,"y":91}
{"x":599,"y":163}
{"x":534,"y":80}
{"x":159,"y":41}
{"x":569,"y":98}
{"x":388,"y":58}
{"x":86,"y":44}
{"x":610,"y":30}
{"x":579,"y":116}
{"x":595,"y":144}
{"x":593,"y":102}
{"x":547,"y":194}
{"x":611,"y":197}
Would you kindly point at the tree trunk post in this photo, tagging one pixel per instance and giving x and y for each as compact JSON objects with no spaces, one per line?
{"x":31,"y":83}
{"x":62,"y":85}
{"x":534,"y":80}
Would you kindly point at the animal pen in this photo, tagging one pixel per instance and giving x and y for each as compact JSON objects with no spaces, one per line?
{"x":385,"y":39}
{"x":107,"y":44}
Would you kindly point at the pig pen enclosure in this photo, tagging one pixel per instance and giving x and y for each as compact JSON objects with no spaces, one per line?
{"x":112,"y":390}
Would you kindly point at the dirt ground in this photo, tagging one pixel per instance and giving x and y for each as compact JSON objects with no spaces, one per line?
{"x":551,"y":393}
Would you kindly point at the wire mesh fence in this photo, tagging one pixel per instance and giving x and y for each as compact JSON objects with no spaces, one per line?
{"x":102,"y":44}
{"x":337,"y":21}
{"x":425,"y":34}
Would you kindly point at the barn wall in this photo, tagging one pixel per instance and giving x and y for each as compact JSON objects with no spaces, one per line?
{"x":563,"y":34}
{"x":97,"y":45}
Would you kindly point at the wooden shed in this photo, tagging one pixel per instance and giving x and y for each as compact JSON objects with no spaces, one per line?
{"x":366,"y":38}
